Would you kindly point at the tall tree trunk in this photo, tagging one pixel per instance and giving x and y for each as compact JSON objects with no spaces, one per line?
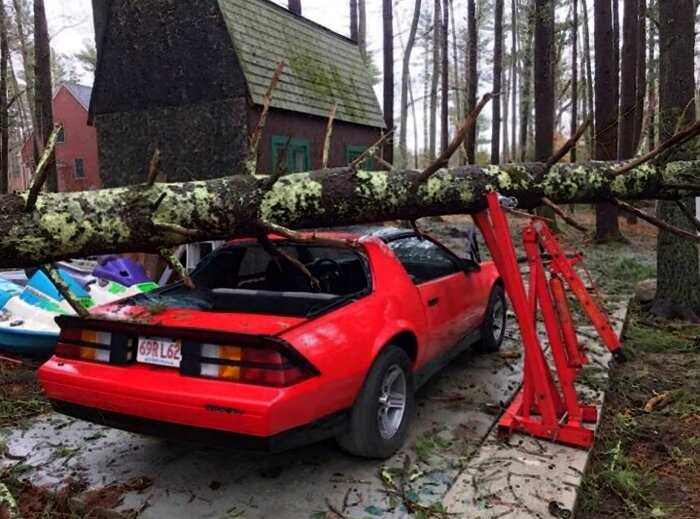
{"x":574,"y":77}
{"x":678,"y":265}
{"x":295,"y":6}
{"x":526,"y":96}
{"x":653,"y":83}
{"x":544,"y":79}
{"x":628,"y":90}
{"x":43,"y":94}
{"x":354,"y":31}
{"x":388,"y":17}
{"x":606,"y":111}
{"x":27,"y":65}
{"x":4,"y":119}
{"x":507,"y":154}
{"x":472,"y":75}
{"x":589,"y":77}
{"x":497,"y":84}
{"x":641,"y":74}
{"x":445,"y":55}
{"x":362,"y":28}
{"x":427,"y":82}
{"x":514,"y":79}
{"x":405,"y":79}
{"x":435,"y":79}
{"x":616,"y":47}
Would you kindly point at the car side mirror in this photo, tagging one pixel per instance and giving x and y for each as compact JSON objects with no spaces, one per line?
{"x":468,"y":265}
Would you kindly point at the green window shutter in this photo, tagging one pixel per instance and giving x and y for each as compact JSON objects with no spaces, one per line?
{"x":352,"y":152}
{"x":298,"y":153}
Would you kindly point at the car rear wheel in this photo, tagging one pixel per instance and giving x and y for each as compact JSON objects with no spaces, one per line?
{"x":383,"y":411}
{"x":493,"y":329}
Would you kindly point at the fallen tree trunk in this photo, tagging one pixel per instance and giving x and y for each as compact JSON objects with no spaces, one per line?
{"x":149,"y":218}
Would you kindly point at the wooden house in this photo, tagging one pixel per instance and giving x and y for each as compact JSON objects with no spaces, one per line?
{"x":190,"y":77}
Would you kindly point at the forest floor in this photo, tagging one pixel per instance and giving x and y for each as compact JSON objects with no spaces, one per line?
{"x":646,"y":464}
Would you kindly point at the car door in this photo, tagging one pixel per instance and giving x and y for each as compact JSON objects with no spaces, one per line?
{"x":441,"y":285}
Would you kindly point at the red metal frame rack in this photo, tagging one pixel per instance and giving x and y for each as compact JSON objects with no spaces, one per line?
{"x":547,"y":406}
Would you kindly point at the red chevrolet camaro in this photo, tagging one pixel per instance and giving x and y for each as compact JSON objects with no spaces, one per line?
{"x":260,"y":356}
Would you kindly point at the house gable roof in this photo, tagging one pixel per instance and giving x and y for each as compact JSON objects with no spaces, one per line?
{"x":81,"y":93}
{"x":322,"y":68}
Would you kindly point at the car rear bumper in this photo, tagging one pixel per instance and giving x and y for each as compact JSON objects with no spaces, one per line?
{"x":322,"y":429}
{"x":160,"y":401}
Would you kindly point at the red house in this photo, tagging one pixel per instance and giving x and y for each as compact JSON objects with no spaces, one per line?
{"x":76,"y":152}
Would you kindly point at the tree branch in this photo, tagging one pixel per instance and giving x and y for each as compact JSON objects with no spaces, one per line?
{"x":174,"y":263}
{"x":41,"y":173}
{"x":64,"y":290}
{"x":656,"y":222}
{"x":688,"y":214}
{"x":257,"y":133}
{"x":562,"y":214}
{"x":570,"y":144}
{"x":275,"y":252}
{"x":446,"y":155}
{"x":153,"y":168}
{"x":371,"y":151}
{"x":678,"y":139}
{"x":329,"y":136}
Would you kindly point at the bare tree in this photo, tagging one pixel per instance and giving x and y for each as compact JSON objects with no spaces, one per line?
{"x":354,"y":30}
{"x":472,"y":76}
{"x":514,"y":77}
{"x":388,"y":18}
{"x":606,"y":111}
{"x":526,"y":81}
{"x":544,"y":79}
{"x":628,"y":86}
{"x":4,"y":119}
{"x":405,"y":79}
{"x":43,"y":90}
{"x":589,"y":76}
{"x":445,"y":74}
{"x":435,"y":78}
{"x":641,"y":73}
{"x":574,"y":76}
{"x":497,"y":84}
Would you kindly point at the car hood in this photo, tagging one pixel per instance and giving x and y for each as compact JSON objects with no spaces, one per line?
{"x":242,"y":323}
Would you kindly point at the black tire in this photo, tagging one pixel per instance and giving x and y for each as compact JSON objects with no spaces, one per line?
{"x":365,"y":436}
{"x":492,"y":335}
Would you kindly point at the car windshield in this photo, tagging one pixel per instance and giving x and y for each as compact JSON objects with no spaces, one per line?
{"x":244,"y":277}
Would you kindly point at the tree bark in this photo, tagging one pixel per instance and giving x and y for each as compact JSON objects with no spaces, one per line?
{"x":628,"y":91}
{"x":606,"y":111}
{"x":472,"y":76}
{"x":405,"y":78}
{"x":641,"y":74}
{"x":26,"y":62}
{"x":354,"y":30}
{"x":445,"y":75}
{"x":362,"y":28}
{"x":653,"y":82}
{"x":143,"y":219}
{"x":526,"y":96}
{"x":574,"y":77}
{"x":497,"y":84}
{"x":514,"y":80}
{"x":44,"y":91}
{"x":388,"y":17}
{"x":589,"y":76}
{"x":435,"y":78}
{"x":4,"y":112}
{"x":295,"y":6}
{"x":678,"y":265}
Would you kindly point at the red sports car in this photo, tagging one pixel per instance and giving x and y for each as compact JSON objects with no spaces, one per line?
{"x":260,"y":354}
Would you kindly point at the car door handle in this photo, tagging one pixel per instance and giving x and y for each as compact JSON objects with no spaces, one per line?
{"x":434,"y":301}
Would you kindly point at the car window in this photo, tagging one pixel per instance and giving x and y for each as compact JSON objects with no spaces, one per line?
{"x":423,"y":259}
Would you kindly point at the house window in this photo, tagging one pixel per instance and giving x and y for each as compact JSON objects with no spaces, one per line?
{"x":61,"y":136}
{"x":352,"y":152}
{"x":79,"y":168}
{"x":298,"y":156}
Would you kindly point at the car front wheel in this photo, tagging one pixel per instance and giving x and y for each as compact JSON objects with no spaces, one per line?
{"x":493,"y":329}
{"x":383,"y":411}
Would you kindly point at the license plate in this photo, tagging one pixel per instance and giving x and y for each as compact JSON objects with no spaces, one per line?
{"x":161,"y":352}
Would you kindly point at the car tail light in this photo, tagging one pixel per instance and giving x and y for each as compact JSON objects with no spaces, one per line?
{"x":94,"y":346}
{"x":264,"y":366}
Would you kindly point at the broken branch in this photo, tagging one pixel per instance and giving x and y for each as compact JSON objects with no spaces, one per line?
{"x":153,"y":168}
{"x":655,"y":221}
{"x":41,"y":173}
{"x":269,"y":247}
{"x":562,"y":214}
{"x":64,"y":290}
{"x":252,"y":162}
{"x":174,"y":263}
{"x":371,"y":151}
{"x":569,"y":145}
{"x":688,"y":214}
{"x":678,"y":139}
{"x":329,"y":136}
{"x":444,"y":158}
